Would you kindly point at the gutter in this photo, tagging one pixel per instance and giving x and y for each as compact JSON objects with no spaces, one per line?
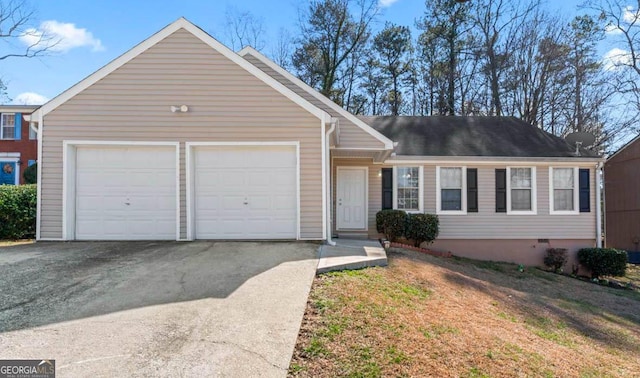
{"x":599,"y":172}
{"x":329,"y":172}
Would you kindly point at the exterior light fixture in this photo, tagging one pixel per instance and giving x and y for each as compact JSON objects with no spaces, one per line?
{"x":179,"y":108}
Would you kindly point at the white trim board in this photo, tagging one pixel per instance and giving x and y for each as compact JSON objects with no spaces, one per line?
{"x":68,"y":179}
{"x":190,"y":185}
{"x":388,"y":144}
{"x":181,"y":23}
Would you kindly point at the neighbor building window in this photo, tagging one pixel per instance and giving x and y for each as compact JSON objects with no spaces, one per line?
{"x":408,"y":188}
{"x":521,"y":191}
{"x":7,"y":126}
{"x":563,"y":191}
{"x":451,"y":189}
{"x":32,"y":134}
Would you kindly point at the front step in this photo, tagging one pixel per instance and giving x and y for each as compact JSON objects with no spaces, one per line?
{"x":350,"y":254}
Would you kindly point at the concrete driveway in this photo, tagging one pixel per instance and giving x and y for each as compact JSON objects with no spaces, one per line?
{"x":155,"y":308}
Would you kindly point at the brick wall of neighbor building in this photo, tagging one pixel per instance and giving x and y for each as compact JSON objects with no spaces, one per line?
{"x":25,"y":146}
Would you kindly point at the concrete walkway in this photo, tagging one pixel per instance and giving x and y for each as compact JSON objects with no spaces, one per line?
{"x":351,"y":254}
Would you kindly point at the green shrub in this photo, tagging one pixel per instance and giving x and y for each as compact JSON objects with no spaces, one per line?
{"x":17,"y":211}
{"x":31,"y":174}
{"x":555,"y":258}
{"x":603,"y":261}
{"x":391,"y":223}
{"x":422,"y":228}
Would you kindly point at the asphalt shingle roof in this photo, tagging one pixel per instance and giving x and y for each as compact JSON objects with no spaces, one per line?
{"x":470,"y":136}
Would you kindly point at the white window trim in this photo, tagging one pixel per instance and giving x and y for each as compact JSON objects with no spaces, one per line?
{"x":534,"y":193}
{"x":420,"y":187}
{"x":576,"y":193}
{"x":463,"y":205}
{"x":13,"y":137}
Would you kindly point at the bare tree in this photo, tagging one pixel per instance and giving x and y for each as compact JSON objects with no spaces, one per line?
{"x":16,"y":29}
{"x":243,"y":29}
{"x":281,"y":51}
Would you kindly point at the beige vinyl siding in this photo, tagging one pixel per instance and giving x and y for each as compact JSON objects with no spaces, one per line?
{"x":351,"y":135}
{"x":226,"y":103}
{"x":487,"y":224}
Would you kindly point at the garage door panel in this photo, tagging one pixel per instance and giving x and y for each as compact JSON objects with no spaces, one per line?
{"x":126,"y":193}
{"x":255,"y":188}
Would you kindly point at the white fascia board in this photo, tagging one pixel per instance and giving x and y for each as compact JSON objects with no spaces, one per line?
{"x":181,"y":23}
{"x":388,"y":143}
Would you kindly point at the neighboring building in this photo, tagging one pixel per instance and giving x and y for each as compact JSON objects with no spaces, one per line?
{"x":622,"y":197}
{"x":181,"y":138}
{"x":18,"y":143}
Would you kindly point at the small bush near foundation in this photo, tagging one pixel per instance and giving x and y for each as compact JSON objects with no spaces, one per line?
{"x":604,"y":261}
{"x":422,"y":228}
{"x":555,"y":258}
{"x":391,"y":223}
{"x":17,"y":211}
{"x":31,"y":174}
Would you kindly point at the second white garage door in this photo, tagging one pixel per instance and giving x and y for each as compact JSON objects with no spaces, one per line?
{"x":245,"y":192}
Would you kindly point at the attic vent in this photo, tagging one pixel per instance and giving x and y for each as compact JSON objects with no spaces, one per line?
{"x":543,"y":241}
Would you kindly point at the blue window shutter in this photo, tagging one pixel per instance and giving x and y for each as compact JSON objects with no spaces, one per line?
{"x":387,"y":188}
{"x":18,"y":127}
{"x":31,"y":162}
{"x":585,"y":191}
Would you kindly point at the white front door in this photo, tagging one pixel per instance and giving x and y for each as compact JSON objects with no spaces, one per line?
{"x":351,"y":198}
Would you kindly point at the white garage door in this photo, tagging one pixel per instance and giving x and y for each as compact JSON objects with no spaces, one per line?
{"x":246,"y":192}
{"x":125,"y":193}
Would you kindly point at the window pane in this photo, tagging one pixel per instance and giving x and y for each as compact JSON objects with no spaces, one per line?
{"x":521,"y":178}
{"x":563,"y":178}
{"x":563,"y":199}
{"x":520,"y":199}
{"x":451,"y":178}
{"x":408,"y":188}
{"x":451,"y":199}
{"x":32,"y":134}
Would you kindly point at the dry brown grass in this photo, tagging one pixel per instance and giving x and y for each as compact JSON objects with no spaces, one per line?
{"x":425,"y":316}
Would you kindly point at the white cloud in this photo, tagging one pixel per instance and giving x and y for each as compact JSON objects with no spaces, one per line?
{"x":386,"y":3}
{"x":615,"y":58}
{"x":612,"y":29}
{"x":30,"y":98}
{"x":60,"y":37}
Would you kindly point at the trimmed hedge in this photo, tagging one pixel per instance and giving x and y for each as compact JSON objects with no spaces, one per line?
{"x":391,"y":223}
{"x":422,"y":228}
{"x":604,"y":261}
{"x":18,"y":211}
{"x":31,"y":174}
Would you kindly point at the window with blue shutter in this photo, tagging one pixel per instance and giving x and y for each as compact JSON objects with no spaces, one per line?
{"x":585,"y":191}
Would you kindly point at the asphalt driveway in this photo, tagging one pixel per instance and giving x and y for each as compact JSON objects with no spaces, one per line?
{"x":155,"y":308}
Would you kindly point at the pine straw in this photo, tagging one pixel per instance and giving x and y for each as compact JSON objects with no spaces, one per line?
{"x":425,"y":316}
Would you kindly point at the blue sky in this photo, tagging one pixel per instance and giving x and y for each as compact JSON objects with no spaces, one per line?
{"x":95,"y":32}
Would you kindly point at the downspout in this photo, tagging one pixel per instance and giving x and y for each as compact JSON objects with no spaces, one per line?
{"x":327,"y":155}
{"x":598,"y":206}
